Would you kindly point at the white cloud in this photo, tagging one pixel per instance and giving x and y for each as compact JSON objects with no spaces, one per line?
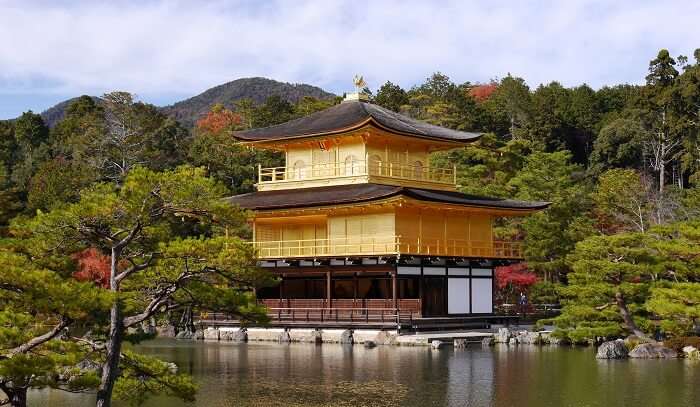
{"x":157,"y":48}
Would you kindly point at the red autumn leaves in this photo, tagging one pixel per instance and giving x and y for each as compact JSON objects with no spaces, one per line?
{"x":219,"y":119}
{"x":92,"y":266}
{"x":515,"y":275}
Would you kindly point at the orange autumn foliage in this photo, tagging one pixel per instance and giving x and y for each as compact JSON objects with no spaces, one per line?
{"x":218,"y":120}
{"x":482,"y":92}
{"x":92,"y":266}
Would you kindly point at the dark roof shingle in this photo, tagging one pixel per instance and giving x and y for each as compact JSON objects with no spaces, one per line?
{"x":348,"y":115}
{"x":357,"y":193}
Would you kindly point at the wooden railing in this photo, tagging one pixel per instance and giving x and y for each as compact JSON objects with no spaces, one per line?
{"x":355,"y":168}
{"x":337,"y":310}
{"x":386,"y":245}
{"x":343,"y":310}
{"x":366,"y":245}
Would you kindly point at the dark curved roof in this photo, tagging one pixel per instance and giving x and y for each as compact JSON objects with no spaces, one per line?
{"x":349,"y":115}
{"x":357,"y":193}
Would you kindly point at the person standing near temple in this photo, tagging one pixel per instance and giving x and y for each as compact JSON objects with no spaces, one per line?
{"x":522,"y":302}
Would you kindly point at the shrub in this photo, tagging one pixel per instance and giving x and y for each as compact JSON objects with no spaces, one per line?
{"x":680,"y":342}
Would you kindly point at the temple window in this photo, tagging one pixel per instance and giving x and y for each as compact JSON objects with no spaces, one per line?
{"x":375,"y":165}
{"x":299,"y":170}
{"x":418,"y":170}
{"x":352,"y":165}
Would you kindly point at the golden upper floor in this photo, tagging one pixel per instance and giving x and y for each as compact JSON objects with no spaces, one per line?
{"x":374,"y":219}
{"x":356,"y":142}
{"x":396,"y":227}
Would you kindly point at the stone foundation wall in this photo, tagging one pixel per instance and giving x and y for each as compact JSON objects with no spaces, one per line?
{"x":301,"y":335}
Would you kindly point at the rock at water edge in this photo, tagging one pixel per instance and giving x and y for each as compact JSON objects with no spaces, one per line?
{"x":691,"y":352}
{"x":460,"y":343}
{"x":612,"y":350}
{"x":346,"y":337}
{"x":198,"y":335}
{"x":185,"y":335}
{"x":166,"y":331}
{"x":313,"y":336}
{"x":240,"y":335}
{"x":437,"y":344}
{"x":385,"y":338}
{"x":284,"y":337}
{"x":529,"y":338}
{"x":211,"y":334}
{"x":370,"y":344}
{"x":652,"y":351}
{"x":488,"y":341}
{"x":502,"y":336}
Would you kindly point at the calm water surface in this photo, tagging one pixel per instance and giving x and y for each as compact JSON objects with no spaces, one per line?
{"x":261,"y":374}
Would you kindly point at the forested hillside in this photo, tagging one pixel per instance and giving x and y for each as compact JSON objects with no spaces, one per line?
{"x":188,"y":111}
{"x":619,"y":246}
{"x":257,"y":90}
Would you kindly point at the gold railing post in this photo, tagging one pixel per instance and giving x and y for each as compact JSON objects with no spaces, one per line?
{"x":259,"y":173}
{"x":454,"y":173}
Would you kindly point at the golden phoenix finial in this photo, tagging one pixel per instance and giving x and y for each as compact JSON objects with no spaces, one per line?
{"x":359,"y":82}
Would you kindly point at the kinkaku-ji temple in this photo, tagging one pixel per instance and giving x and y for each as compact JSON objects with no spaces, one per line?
{"x":363,"y":230}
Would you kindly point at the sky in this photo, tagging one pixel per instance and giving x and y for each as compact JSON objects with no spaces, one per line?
{"x":165,"y":51}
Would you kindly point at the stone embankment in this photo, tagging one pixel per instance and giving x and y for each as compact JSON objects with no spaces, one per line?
{"x":282,"y":335}
{"x":631,"y":347}
{"x":369,"y":338}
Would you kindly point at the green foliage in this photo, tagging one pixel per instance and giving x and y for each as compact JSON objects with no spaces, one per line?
{"x":604,"y":266}
{"x":391,"y":96}
{"x":173,"y":242}
{"x":619,"y":145}
{"x":144,"y":377}
{"x":624,"y":200}
{"x":40,"y":311}
{"x":651,"y":276}
{"x":544,"y":292}
{"x":10,"y":197}
{"x":31,"y":148}
{"x":76,"y":136}
{"x":552,"y":234}
{"x":678,"y":304}
{"x":57,"y":182}
{"x":224,"y":157}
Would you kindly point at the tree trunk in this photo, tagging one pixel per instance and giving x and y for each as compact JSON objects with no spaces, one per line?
{"x":110,"y":367}
{"x":187,"y":321}
{"x":17,"y":396}
{"x":627,"y":316}
{"x":662,"y":176}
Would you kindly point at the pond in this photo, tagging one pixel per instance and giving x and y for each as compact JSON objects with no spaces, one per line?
{"x":296,"y":375}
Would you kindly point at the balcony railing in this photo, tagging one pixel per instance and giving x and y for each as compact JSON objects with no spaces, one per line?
{"x":384,"y":245}
{"x":447,"y":176}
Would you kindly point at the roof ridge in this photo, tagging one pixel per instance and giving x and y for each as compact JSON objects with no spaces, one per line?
{"x":399,"y":117}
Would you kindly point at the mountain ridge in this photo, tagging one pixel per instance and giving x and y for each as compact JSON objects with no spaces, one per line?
{"x":187,"y":111}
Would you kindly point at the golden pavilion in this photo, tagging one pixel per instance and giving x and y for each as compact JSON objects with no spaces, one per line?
{"x":363,"y":230}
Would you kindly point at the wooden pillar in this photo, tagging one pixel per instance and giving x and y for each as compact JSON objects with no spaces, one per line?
{"x":420,"y":293}
{"x":393,"y":290}
{"x":281,"y":296}
{"x":354,"y":286}
{"x":328,"y":288}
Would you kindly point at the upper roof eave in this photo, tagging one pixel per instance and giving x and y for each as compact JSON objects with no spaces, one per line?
{"x":349,"y":116}
{"x":366,"y":193}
